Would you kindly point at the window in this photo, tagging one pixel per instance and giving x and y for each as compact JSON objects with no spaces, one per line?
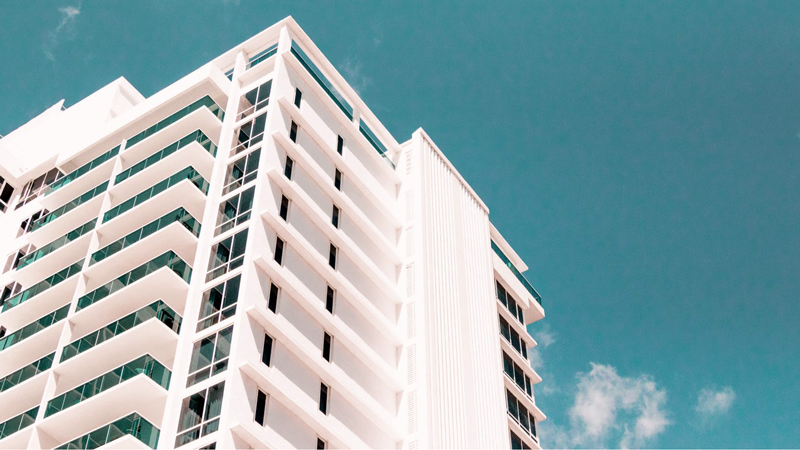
{"x":520,"y":414}
{"x":27,"y":224}
{"x":266,"y":351}
{"x":272,"y":304}
{"x":210,"y":356}
{"x":517,"y":443}
{"x":508,"y":301}
{"x":329,"y":298}
{"x":327,"y":342}
{"x":6,"y":191}
{"x":332,"y":256}
{"x":16,"y":257}
{"x":293,"y":132}
{"x":321,"y":445}
{"x":517,"y":375}
{"x":254,"y":100}
{"x":298,"y":97}
{"x":287,"y":169}
{"x":323,"y":398}
{"x":219,"y":303}
{"x":241,"y":171}
{"x":200,"y":414}
{"x":35,"y":187}
{"x":337,"y":180}
{"x":234,"y":211}
{"x":261,"y":407}
{"x":339,"y":145}
{"x":513,"y":337}
{"x":250,"y":134}
{"x":335,"y":216}
{"x":227,"y":254}
{"x":9,"y":291}
{"x":284,"y":213}
{"x":279,"y":251}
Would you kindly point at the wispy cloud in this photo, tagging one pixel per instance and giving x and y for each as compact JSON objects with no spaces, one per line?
{"x":65,"y":27}
{"x":609,"y":407}
{"x":713,"y":402}
{"x":353,"y":74}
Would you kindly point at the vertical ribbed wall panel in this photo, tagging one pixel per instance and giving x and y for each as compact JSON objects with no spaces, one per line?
{"x":462,"y":355}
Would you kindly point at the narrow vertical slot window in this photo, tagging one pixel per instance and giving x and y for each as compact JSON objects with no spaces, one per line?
{"x":339,"y":145}
{"x":266,"y":352}
{"x":321,"y":445}
{"x":327,"y":341}
{"x":287,"y":169}
{"x":273,"y":298}
{"x":293,"y":132}
{"x":284,"y":207}
{"x":323,"y":398}
{"x":332,"y":256}
{"x":279,"y":251}
{"x":335,"y":216}
{"x":337,"y":180}
{"x":261,"y":406}
{"x":329,"y":298}
{"x":298,"y":97}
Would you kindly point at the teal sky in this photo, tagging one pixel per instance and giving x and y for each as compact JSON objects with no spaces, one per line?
{"x":641,"y":157}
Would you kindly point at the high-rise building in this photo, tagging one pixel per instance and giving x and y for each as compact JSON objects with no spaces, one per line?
{"x":249,"y":259}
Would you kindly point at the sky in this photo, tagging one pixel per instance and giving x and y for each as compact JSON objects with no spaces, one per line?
{"x":641,"y":157}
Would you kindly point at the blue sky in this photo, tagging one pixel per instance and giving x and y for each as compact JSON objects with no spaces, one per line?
{"x":642,"y":158}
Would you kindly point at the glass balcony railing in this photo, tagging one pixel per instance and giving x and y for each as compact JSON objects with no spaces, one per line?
{"x":326,"y":85}
{"x":133,"y":425}
{"x":69,"y":206}
{"x":262,"y":56}
{"x":168,"y":259}
{"x":26,"y":373}
{"x":144,"y":365}
{"x":195,"y":136}
{"x":156,"y":310}
{"x":43,"y":285}
{"x":516,"y":273}
{"x":34,"y":327}
{"x":81,"y":171}
{"x":55,"y":245}
{"x":206,"y":102}
{"x":17,"y":423}
{"x":374,"y":141}
{"x":180,"y":215}
{"x":186,"y":174}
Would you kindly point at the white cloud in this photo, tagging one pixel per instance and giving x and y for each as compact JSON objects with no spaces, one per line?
{"x":352,"y":73}
{"x":607,"y":404}
{"x":712,"y":402}
{"x":51,"y":40}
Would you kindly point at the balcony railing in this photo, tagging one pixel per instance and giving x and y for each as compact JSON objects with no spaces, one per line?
{"x":56,"y":244}
{"x":374,"y":141}
{"x":43,"y":285}
{"x":262,"y":56}
{"x":195,"y":136}
{"x":17,"y":423}
{"x":156,"y":310}
{"x":168,"y":259}
{"x":69,"y":206}
{"x":82,"y":170}
{"x":132,"y":425}
{"x":34,"y":327}
{"x":26,"y":373}
{"x":516,"y":273}
{"x":326,"y":85}
{"x":144,"y":365}
{"x":186,"y":174}
{"x":206,"y":102}
{"x":180,"y":215}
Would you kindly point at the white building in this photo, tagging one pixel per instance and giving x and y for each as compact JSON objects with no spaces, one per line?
{"x":344,"y":290}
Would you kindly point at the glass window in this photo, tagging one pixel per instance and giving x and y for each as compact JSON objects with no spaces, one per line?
{"x":321,"y":445}
{"x":219,"y":303}
{"x":35,"y":187}
{"x":266,"y":351}
{"x":293,"y":132}
{"x":335,"y":216}
{"x":261,"y":407}
{"x":234,"y":211}
{"x":337,"y":180}
{"x":200,"y":414}
{"x":250,"y":134}
{"x":6,"y":191}
{"x":227,"y":255}
{"x":323,"y":398}
{"x":284,"y":211}
{"x":241,"y":171}
{"x":327,"y":342}
{"x":272,"y":304}
{"x":210,"y":356}
{"x":298,"y":97}
{"x":329,"y":299}
{"x":279,"y":250}
{"x":287,"y":169}
{"x":254,"y":100}
{"x":332,"y":256}
{"x":340,"y":145}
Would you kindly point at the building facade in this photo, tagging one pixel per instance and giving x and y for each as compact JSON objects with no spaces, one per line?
{"x":249,"y":259}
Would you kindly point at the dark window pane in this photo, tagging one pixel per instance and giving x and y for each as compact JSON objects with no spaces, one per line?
{"x":261,"y":404}
{"x":339,"y":144}
{"x":266,"y":352}
{"x":298,"y":96}
{"x":273,"y":297}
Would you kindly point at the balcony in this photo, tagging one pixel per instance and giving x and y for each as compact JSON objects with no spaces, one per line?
{"x":139,"y":385}
{"x":27,"y":383}
{"x":13,"y":426}
{"x":194,"y":149}
{"x":69,"y":216}
{"x":205,"y":104}
{"x":525,"y":283}
{"x":40,"y":336}
{"x":80,"y":180}
{"x":533,"y":310}
{"x":128,"y":432}
{"x":49,"y":259}
{"x":49,"y":293}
